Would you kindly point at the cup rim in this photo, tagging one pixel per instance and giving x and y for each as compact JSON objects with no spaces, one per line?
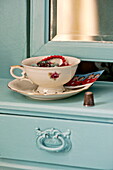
{"x":49,"y":68}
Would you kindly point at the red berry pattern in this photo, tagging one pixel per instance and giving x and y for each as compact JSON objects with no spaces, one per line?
{"x":46,"y":63}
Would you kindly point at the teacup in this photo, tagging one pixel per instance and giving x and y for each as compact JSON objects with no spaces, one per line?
{"x":50,"y":80}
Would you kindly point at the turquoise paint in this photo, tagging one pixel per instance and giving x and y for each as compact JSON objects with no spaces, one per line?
{"x":21,"y":165}
{"x":53,"y":140}
{"x":12,"y":34}
{"x":37,"y":35}
{"x":46,"y":24}
{"x":91,"y":127}
{"x":91,"y":142}
{"x":70,"y":108}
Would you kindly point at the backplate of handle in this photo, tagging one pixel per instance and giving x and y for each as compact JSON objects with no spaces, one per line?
{"x":53,"y":140}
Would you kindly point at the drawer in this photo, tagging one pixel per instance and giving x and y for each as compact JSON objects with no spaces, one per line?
{"x":89,"y":144}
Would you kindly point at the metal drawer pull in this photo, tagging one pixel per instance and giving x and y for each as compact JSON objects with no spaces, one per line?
{"x":53,"y":140}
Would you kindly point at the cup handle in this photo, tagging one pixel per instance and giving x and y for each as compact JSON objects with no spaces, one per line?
{"x":19,"y":67}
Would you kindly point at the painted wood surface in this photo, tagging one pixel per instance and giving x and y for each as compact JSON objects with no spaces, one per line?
{"x":8,"y":164}
{"x":13,"y":47}
{"x":91,"y":142}
{"x":42,"y":46}
{"x":70,"y":108}
{"x":13,"y":41}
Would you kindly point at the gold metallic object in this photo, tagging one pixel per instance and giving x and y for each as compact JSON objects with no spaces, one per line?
{"x":81,"y":20}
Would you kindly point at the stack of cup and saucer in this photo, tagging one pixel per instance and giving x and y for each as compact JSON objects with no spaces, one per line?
{"x":44,"y":77}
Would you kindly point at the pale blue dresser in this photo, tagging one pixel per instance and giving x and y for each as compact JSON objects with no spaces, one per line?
{"x":82,"y":136}
{"x":91,"y":137}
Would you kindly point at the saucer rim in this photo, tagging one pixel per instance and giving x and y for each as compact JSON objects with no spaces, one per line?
{"x":70,"y":91}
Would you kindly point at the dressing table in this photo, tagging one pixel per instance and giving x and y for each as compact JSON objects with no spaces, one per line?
{"x":84,"y":135}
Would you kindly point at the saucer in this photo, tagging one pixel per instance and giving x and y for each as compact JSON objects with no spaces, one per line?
{"x":28,"y":89}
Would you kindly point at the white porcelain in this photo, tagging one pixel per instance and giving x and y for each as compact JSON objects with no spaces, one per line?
{"x":28,"y":89}
{"x":50,"y":80}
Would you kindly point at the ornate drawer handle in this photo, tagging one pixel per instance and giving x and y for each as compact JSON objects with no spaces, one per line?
{"x":53,"y":140}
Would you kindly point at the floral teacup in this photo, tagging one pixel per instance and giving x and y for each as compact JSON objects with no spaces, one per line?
{"x":50,"y":80}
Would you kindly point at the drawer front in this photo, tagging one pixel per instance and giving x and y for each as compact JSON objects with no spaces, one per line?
{"x":88,"y":145}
